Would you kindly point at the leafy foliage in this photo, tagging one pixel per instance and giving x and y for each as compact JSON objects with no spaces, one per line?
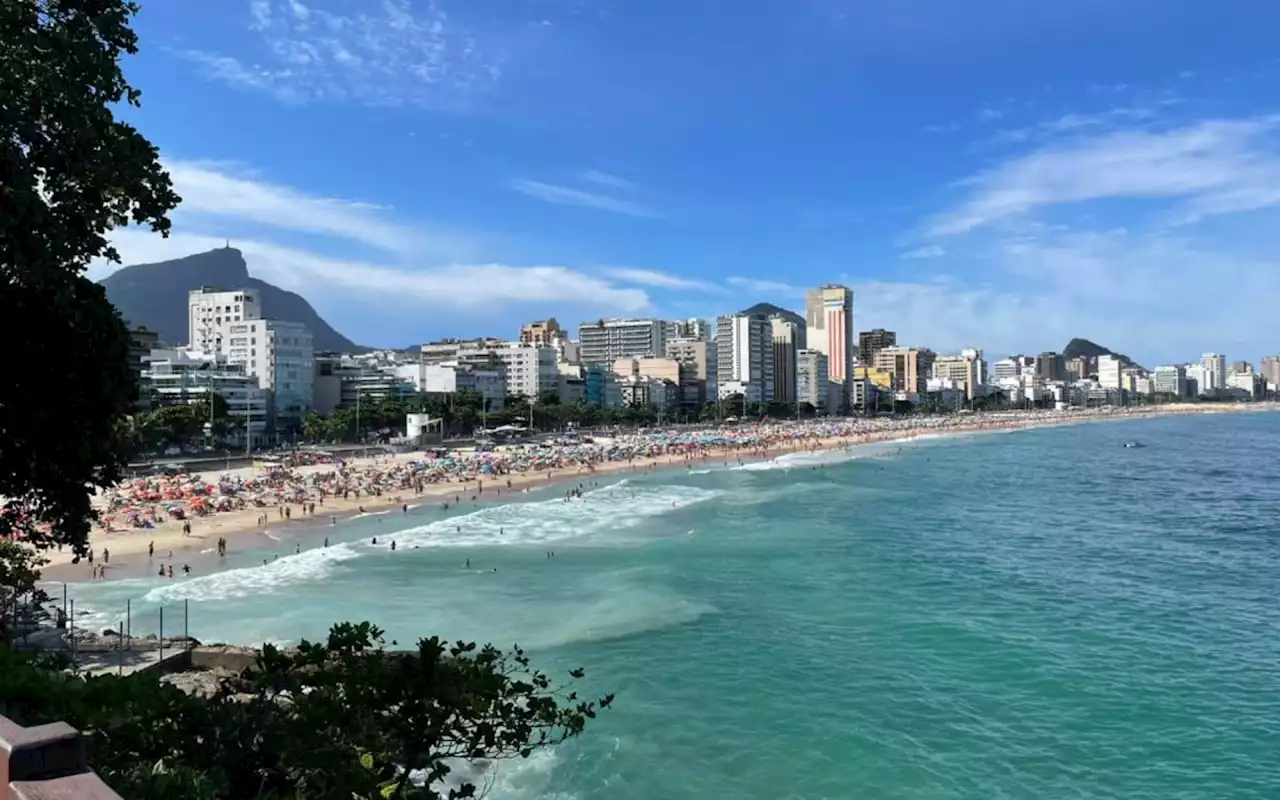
{"x":340,"y":719}
{"x":69,"y":173}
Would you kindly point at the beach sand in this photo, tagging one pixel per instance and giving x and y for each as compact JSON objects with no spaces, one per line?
{"x":244,"y":532}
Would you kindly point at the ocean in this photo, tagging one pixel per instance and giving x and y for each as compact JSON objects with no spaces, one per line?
{"x":1034,"y":614}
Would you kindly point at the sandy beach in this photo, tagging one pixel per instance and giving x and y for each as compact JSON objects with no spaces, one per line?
{"x":154,"y":513}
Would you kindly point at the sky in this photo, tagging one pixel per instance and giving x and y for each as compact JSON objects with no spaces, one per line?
{"x":1001,"y":174}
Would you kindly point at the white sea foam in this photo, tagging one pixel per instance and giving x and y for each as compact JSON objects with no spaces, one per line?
{"x":604,"y":511}
{"x":306,"y":567}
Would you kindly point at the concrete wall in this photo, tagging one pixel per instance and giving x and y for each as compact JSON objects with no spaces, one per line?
{"x":46,"y":762}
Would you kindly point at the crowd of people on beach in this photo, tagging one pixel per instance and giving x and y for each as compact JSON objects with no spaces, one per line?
{"x":145,"y":502}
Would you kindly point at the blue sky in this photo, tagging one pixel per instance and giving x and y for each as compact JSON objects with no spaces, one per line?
{"x":1003,"y":174}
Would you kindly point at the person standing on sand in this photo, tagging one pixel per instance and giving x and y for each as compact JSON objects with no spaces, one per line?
{"x":151,"y":549}
{"x":106,"y":556}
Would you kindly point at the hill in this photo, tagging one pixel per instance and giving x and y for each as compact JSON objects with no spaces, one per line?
{"x":155,"y":296}
{"x":769,"y":309}
{"x":1083,"y":348}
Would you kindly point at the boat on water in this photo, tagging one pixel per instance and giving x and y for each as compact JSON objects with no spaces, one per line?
{"x":1134,"y":444}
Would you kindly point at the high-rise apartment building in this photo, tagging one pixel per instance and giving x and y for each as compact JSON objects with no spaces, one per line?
{"x":1110,"y":372}
{"x":697,"y":360}
{"x":1215,"y":365}
{"x":1170,"y":380}
{"x":280,"y":355}
{"x":1271,"y":370}
{"x":911,"y":367}
{"x":744,"y":357}
{"x":812,"y":382}
{"x":1051,"y":367}
{"x":788,"y":339}
{"x":873,"y":341}
{"x":208,"y":308}
{"x":964,"y":369}
{"x":829,"y":329}
{"x":607,"y":340}
{"x":543,"y":332}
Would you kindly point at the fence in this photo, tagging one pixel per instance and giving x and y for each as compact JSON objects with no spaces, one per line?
{"x":126,"y":641}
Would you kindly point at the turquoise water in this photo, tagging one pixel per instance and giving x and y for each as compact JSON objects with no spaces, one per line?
{"x":1040,"y":614}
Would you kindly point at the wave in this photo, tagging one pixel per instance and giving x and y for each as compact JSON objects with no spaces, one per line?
{"x":603,"y":511}
{"x":305,"y":567}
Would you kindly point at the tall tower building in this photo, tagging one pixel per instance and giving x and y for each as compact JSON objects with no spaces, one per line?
{"x":788,"y":338}
{"x":1215,"y":365}
{"x":873,"y":341}
{"x":829,"y":330}
{"x":744,"y":357}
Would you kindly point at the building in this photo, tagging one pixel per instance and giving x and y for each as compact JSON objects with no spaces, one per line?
{"x":1271,"y":371}
{"x":600,"y":387}
{"x":963,"y":371}
{"x":911,"y":367}
{"x":1240,"y":367}
{"x":1170,"y":380}
{"x":1247,"y":384}
{"x":813,"y":386}
{"x":873,"y":341}
{"x":141,"y":343}
{"x":829,"y":329}
{"x":1110,"y":372}
{"x":1006,"y":368}
{"x":744,"y":357}
{"x":1051,"y":367}
{"x":544,"y":332}
{"x":176,"y":376}
{"x":607,"y":340}
{"x":653,"y":382}
{"x":692,"y":328}
{"x":279,"y":354}
{"x":697,"y":360}
{"x":1077,"y":368}
{"x":529,"y":369}
{"x":788,"y":339}
{"x":1215,"y":365}
{"x":209,"y":308}
{"x":451,"y":378}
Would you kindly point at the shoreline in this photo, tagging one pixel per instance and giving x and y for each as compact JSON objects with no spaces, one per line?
{"x":244,"y":531}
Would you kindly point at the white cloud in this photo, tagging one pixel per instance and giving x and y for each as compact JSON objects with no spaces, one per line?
{"x":568,"y":196}
{"x":928,"y":251}
{"x":219,"y":190}
{"x":764,"y":286}
{"x":658,"y":280}
{"x":406,"y":267}
{"x":1213,"y":167}
{"x":389,"y":53}
{"x":605,"y":179}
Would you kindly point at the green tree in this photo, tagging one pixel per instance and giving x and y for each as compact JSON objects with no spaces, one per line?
{"x":343,"y":718}
{"x":69,"y":173}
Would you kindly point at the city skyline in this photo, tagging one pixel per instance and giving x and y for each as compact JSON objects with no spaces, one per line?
{"x":453,"y":165}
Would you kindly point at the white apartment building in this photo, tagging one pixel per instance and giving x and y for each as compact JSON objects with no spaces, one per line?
{"x":1170,"y":380}
{"x":1215,"y":365}
{"x":1199,"y":380}
{"x":1110,"y":372}
{"x":963,"y":372}
{"x":812,"y":381}
{"x":1252,"y":384}
{"x":450,"y":378}
{"x":529,"y":369}
{"x":607,"y":340}
{"x":208,"y":308}
{"x":1005,"y":369}
{"x":178,"y":376}
{"x":697,"y":360}
{"x":279,"y":354}
{"x":744,"y":357}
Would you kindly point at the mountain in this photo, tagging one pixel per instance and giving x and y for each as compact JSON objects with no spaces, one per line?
{"x":769,"y":309}
{"x":1077,"y":348}
{"x":155,"y":296}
